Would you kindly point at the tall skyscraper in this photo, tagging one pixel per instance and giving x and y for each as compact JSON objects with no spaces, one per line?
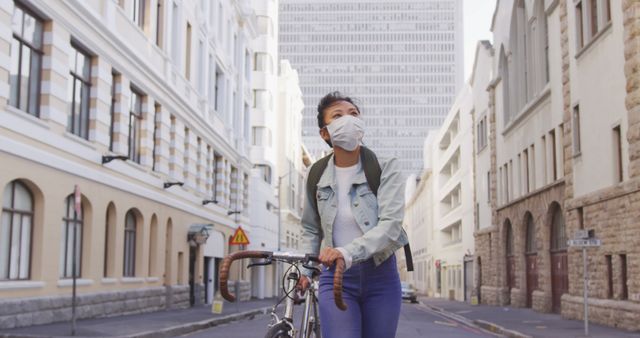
{"x":402,"y":60}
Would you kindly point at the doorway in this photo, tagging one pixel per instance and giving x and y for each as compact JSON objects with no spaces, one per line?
{"x":559,"y":259}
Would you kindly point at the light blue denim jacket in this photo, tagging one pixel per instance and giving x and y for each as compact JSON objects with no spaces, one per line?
{"x":380,"y":219}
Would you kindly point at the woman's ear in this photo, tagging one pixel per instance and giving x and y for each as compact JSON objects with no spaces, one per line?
{"x":324,"y":133}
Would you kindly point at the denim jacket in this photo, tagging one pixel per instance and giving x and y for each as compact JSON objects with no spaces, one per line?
{"x":380,"y":219}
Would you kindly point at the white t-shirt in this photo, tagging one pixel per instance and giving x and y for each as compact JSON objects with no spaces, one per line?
{"x":345,"y":228}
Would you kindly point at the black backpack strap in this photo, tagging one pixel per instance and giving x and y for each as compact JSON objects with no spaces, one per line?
{"x":372,"y":170}
{"x":312,"y":181}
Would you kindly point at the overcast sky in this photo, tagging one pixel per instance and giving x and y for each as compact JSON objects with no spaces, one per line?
{"x":477,"y":24}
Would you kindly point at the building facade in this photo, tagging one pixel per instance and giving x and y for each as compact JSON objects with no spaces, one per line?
{"x":402,"y":60}
{"x":264,"y":148}
{"x":141,"y":104}
{"x":442,"y":224}
{"x":558,"y":163}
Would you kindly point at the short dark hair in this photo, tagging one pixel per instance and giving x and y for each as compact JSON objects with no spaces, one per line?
{"x":328,"y":101}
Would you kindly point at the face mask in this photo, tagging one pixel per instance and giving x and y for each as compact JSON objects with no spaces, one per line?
{"x":346,"y":132}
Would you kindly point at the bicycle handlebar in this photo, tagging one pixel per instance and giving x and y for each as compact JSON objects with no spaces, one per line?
{"x":283,"y":256}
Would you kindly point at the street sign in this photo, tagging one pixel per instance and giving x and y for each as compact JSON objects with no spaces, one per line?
{"x":592,"y":242}
{"x":239,"y":237}
{"x":581,"y":234}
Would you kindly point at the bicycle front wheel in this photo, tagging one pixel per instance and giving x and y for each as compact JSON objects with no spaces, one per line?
{"x":280,"y":330}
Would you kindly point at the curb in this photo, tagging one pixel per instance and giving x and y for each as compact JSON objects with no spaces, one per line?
{"x":485,"y":325}
{"x":198,"y":326}
{"x":178,"y":329}
{"x":499,"y":329}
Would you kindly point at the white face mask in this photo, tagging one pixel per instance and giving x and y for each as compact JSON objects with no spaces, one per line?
{"x":346,"y":132}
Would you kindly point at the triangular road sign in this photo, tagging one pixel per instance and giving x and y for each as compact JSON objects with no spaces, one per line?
{"x":239,"y":237}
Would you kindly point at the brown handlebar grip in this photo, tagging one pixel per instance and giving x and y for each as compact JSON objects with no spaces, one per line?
{"x":337,"y":284}
{"x":226,"y":264}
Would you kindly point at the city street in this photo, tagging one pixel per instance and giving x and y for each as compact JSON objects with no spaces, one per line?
{"x":415,"y":321}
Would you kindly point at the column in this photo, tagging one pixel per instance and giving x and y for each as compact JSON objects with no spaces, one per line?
{"x":100,"y":104}
{"x":6,"y":13}
{"x":55,"y":74}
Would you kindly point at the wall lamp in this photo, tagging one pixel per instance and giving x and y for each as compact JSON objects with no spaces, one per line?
{"x":233,"y":212}
{"x":205,"y":202}
{"x":109,"y":158}
{"x":169,"y":184}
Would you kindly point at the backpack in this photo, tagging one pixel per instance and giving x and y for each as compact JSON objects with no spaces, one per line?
{"x":372,"y":172}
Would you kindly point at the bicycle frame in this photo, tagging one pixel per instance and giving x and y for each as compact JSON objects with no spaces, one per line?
{"x":310,"y":324}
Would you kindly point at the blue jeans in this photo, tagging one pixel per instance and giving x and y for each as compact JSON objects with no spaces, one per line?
{"x":373,"y":297}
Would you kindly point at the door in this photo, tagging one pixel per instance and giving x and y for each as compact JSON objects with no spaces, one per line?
{"x":468,"y":279}
{"x":510,"y":260}
{"x":532,"y":276}
{"x":531,"y":258}
{"x":192,"y":267}
{"x":559,"y":278}
{"x":559,"y":260}
{"x":208,"y":279}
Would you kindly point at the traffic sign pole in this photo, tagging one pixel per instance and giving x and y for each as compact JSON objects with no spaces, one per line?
{"x":586,"y":290}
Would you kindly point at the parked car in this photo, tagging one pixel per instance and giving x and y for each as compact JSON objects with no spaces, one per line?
{"x":409,"y":292}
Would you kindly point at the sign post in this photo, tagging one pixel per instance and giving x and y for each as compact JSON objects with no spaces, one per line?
{"x":584,"y":239}
{"x":77,"y":209}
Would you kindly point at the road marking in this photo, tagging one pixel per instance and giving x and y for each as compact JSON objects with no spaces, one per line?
{"x":451,"y":324}
{"x":463,"y":312}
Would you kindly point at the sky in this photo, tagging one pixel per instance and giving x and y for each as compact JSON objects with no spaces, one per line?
{"x":477,"y":16}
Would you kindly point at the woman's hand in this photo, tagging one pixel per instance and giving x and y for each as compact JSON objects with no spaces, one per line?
{"x":329,"y":255}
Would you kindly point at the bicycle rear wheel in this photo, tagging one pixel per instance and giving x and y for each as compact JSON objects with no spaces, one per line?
{"x":280,"y":330}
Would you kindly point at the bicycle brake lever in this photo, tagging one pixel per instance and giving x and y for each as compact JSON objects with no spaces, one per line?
{"x":265,"y":262}
{"x":314,"y":268}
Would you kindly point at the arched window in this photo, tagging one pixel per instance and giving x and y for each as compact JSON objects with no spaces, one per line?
{"x":15,"y":231}
{"x":109,"y":241}
{"x":531,"y":234}
{"x":558,"y":233}
{"x":153,"y":246}
{"x":71,"y":229}
{"x":504,"y":75}
{"x":509,"y":231}
{"x":130,"y":227}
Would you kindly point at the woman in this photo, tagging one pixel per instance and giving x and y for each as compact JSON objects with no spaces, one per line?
{"x":357,"y":225}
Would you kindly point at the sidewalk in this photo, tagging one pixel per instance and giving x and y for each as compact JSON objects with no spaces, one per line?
{"x":168,"y":323}
{"x":519,"y":322}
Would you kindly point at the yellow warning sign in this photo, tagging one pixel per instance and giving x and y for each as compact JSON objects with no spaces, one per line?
{"x":239,"y":237}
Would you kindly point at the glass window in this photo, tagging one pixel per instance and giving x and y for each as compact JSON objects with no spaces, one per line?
{"x":509,"y":234}
{"x":79,"y":92}
{"x":130,"y":228}
{"x":135,"y":126}
{"x":558,"y":233}
{"x":531,"y":234}
{"x":137,"y":12}
{"x":26,"y":61}
{"x":71,"y":229}
{"x":15,"y":232}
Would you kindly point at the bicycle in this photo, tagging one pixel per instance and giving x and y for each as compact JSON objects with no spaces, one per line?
{"x":284,"y":327}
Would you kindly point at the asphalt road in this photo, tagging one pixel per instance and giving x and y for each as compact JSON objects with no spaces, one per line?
{"x":415,"y":321}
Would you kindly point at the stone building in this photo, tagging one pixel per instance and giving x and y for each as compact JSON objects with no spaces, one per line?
{"x":140,"y":104}
{"x":564,"y":135}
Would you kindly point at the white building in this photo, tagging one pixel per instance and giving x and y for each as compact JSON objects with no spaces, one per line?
{"x":440,"y":214}
{"x":403,"y":61}
{"x":264,"y":146}
{"x":162,"y":84}
{"x":292,"y":166}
